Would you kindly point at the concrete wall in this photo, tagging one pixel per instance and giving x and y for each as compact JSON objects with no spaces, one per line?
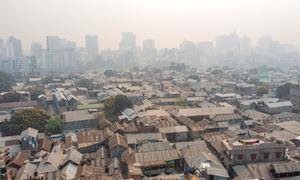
{"x":247,"y":153}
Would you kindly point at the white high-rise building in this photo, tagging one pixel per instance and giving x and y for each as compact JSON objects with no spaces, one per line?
{"x":36,"y":49}
{"x":2,"y":48}
{"x":54,"y":43}
{"x":149,"y":47}
{"x":91,"y":44}
{"x":14,"y":47}
{"x":128,"y":42}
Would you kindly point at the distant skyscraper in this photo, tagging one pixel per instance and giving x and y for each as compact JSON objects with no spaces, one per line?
{"x":128,"y":42}
{"x":91,"y":44}
{"x":36,"y":49}
{"x":149,"y":47}
{"x":148,"y":44}
{"x":227,"y":43}
{"x":54,"y":43}
{"x":14,"y":47}
{"x":2,"y":48}
{"x":70,"y":45}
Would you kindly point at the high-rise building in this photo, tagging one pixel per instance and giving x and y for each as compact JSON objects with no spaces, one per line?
{"x":54,"y":43}
{"x":91,"y":44}
{"x":228,"y":43}
{"x":14,"y":47}
{"x":36,"y":49}
{"x":52,"y":60}
{"x":149,"y":47}
{"x":2,"y":48}
{"x":128,"y":42}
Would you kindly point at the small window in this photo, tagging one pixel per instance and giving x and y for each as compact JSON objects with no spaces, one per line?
{"x":240,"y":157}
{"x":278,"y":155}
{"x":253,"y":156}
{"x":266,"y":155}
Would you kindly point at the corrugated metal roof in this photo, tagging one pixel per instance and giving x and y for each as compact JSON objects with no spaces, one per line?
{"x":289,"y":167}
{"x":227,"y":117}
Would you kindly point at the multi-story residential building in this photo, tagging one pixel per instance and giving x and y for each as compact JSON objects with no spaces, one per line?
{"x":242,"y":150}
{"x":91,"y":44}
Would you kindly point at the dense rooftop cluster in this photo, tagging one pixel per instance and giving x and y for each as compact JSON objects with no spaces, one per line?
{"x":153,"y":124}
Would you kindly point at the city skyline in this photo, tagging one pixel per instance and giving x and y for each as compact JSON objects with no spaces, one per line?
{"x":167,"y":22}
{"x":139,"y":42}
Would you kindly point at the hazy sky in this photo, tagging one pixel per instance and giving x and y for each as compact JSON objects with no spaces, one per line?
{"x":168,"y":22}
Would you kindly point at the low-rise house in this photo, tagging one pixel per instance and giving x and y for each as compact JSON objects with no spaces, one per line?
{"x":29,"y":139}
{"x":79,"y":120}
{"x":175,"y":133}
{"x":290,"y":126}
{"x":199,"y":160}
{"x":4,"y":116}
{"x":276,"y":108}
{"x":136,"y":139}
{"x":117,"y":145}
{"x":19,"y":160}
{"x":124,"y":128}
{"x":257,"y":116}
{"x":246,"y":150}
{"x":227,"y":97}
{"x":11,"y":142}
{"x":154,"y":162}
{"x":115,"y":167}
{"x":278,"y":170}
{"x":195,"y":129}
{"x":49,"y":166}
{"x":166,"y":101}
{"x":13,"y":106}
{"x":231,"y":119}
{"x":198,"y":114}
{"x":254,"y":103}
{"x":245,"y":89}
{"x":295,"y":96}
{"x":90,"y":140}
{"x":155,"y":146}
{"x":26,"y":172}
{"x":4,"y":155}
{"x":194,"y":100}
{"x":128,"y":115}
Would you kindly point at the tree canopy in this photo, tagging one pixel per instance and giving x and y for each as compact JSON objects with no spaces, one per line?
{"x":34,"y":118}
{"x":6,"y":81}
{"x":54,"y":125}
{"x":115,"y":104}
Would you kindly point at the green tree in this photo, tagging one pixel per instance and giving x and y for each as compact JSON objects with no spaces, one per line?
{"x":6,"y":81}
{"x":115,"y":104}
{"x":54,"y":125}
{"x":181,"y":102}
{"x":34,"y":118}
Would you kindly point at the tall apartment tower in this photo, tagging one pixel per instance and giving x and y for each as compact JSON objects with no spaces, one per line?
{"x":91,"y":44}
